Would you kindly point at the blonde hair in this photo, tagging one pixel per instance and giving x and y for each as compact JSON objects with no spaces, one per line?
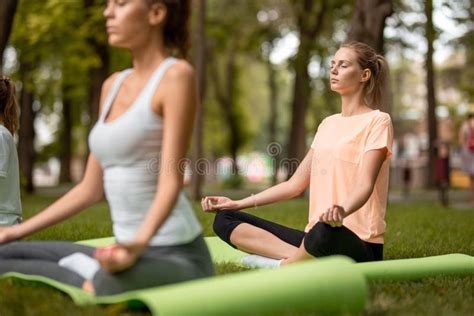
{"x":8,"y":105}
{"x":367,"y":58}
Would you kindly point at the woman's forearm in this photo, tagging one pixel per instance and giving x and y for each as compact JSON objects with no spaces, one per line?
{"x":73,"y":202}
{"x":357,"y":199}
{"x":280,"y":192}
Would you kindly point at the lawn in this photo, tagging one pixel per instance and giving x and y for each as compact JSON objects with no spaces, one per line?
{"x":417,"y":229}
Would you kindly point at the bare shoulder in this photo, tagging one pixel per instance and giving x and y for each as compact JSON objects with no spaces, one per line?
{"x":106,"y":86}
{"x":181,"y":70}
{"x":109,"y":82}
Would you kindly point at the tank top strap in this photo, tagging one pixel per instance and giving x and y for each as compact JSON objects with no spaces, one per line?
{"x":155,"y":79}
{"x":113,"y":92}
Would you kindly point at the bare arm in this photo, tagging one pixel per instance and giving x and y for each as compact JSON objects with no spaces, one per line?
{"x":179,"y":104}
{"x":282,"y":191}
{"x":373,"y":160}
{"x":85,"y":194}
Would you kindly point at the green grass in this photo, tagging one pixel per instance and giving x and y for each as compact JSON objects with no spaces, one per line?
{"x":414,"y":230}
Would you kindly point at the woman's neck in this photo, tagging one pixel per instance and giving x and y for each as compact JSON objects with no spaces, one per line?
{"x":353,"y":104}
{"x":147,"y":57}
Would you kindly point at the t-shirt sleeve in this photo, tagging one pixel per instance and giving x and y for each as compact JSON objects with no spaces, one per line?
{"x":313,"y":143}
{"x":4,"y":155}
{"x":381,"y":136}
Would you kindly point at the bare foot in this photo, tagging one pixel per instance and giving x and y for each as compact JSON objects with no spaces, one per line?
{"x":88,"y":287}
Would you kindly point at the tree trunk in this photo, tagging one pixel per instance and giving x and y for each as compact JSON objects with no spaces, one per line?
{"x":200,"y":64}
{"x":229,"y":104}
{"x":275,"y":150}
{"x":97,"y":75}
{"x":65,"y":153}
{"x":26,"y":148}
{"x":367,"y":26}
{"x":225,"y":98}
{"x":7,"y":16}
{"x":430,"y":88}
{"x":309,"y":23}
{"x":368,"y":22}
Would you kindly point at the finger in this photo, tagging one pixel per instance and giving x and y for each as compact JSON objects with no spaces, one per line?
{"x":325,"y":217}
{"x":207,"y":203}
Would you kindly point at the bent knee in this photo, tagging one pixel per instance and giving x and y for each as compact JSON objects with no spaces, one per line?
{"x":320,"y":239}
{"x":222,"y":221}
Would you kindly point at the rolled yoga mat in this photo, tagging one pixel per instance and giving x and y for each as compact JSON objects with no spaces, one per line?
{"x":417,"y":268}
{"x":328,"y":285}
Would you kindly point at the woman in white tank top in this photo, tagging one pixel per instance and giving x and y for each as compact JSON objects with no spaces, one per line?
{"x":142,"y":134}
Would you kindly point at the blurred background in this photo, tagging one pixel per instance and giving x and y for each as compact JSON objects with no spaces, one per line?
{"x":262,"y":68}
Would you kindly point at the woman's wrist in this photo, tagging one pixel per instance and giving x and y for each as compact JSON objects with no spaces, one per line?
{"x":344,"y":210}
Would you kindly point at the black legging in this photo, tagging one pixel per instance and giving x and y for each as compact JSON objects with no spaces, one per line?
{"x":322,"y":240}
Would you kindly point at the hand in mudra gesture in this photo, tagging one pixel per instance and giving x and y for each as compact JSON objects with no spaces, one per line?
{"x":218,"y":203}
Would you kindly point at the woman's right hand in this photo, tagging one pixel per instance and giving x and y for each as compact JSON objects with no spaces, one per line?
{"x":218,"y":203}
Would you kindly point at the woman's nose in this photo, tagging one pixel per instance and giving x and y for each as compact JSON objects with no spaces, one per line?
{"x":108,"y":10}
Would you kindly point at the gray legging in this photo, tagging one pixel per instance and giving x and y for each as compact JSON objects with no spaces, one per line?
{"x":158,"y":265}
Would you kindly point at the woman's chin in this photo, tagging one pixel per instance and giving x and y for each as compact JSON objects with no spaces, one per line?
{"x":334,"y":88}
{"x":115,"y":42}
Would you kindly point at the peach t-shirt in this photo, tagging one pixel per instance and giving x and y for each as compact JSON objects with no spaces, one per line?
{"x":339,"y":146}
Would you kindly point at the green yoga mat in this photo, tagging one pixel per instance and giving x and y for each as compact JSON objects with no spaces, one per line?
{"x":328,"y":285}
{"x":417,"y":268}
{"x":220,"y":251}
{"x":398,"y":270}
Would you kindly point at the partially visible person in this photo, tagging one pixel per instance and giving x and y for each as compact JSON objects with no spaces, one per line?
{"x":10,"y":203}
{"x":466,"y":141}
{"x":442,"y":171}
{"x":406,"y":168}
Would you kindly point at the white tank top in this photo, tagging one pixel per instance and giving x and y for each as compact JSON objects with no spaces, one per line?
{"x":128,"y":150}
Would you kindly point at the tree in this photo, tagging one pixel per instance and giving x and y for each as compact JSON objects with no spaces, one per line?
{"x":229,"y":33}
{"x":430,"y":90}
{"x":27,"y":134}
{"x":7,"y":15}
{"x":367,"y":26}
{"x":200,"y":64}
{"x":368,"y":22}
{"x":309,"y":21}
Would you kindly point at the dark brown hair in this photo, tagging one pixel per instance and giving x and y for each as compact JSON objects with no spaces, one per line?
{"x":367,"y":58}
{"x":176,"y":29}
{"x":8,"y":106}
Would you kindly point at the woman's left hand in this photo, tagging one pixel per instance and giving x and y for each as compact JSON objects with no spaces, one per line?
{"x":118,"y":257}
{"x":333,"y":216}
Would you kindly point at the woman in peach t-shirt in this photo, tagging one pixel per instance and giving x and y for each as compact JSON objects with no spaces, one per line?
{"x":346,"y":168}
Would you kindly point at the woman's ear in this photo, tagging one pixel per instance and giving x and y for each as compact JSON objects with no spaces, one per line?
{"x":157,"y":13}
{"x":366,"y":74}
